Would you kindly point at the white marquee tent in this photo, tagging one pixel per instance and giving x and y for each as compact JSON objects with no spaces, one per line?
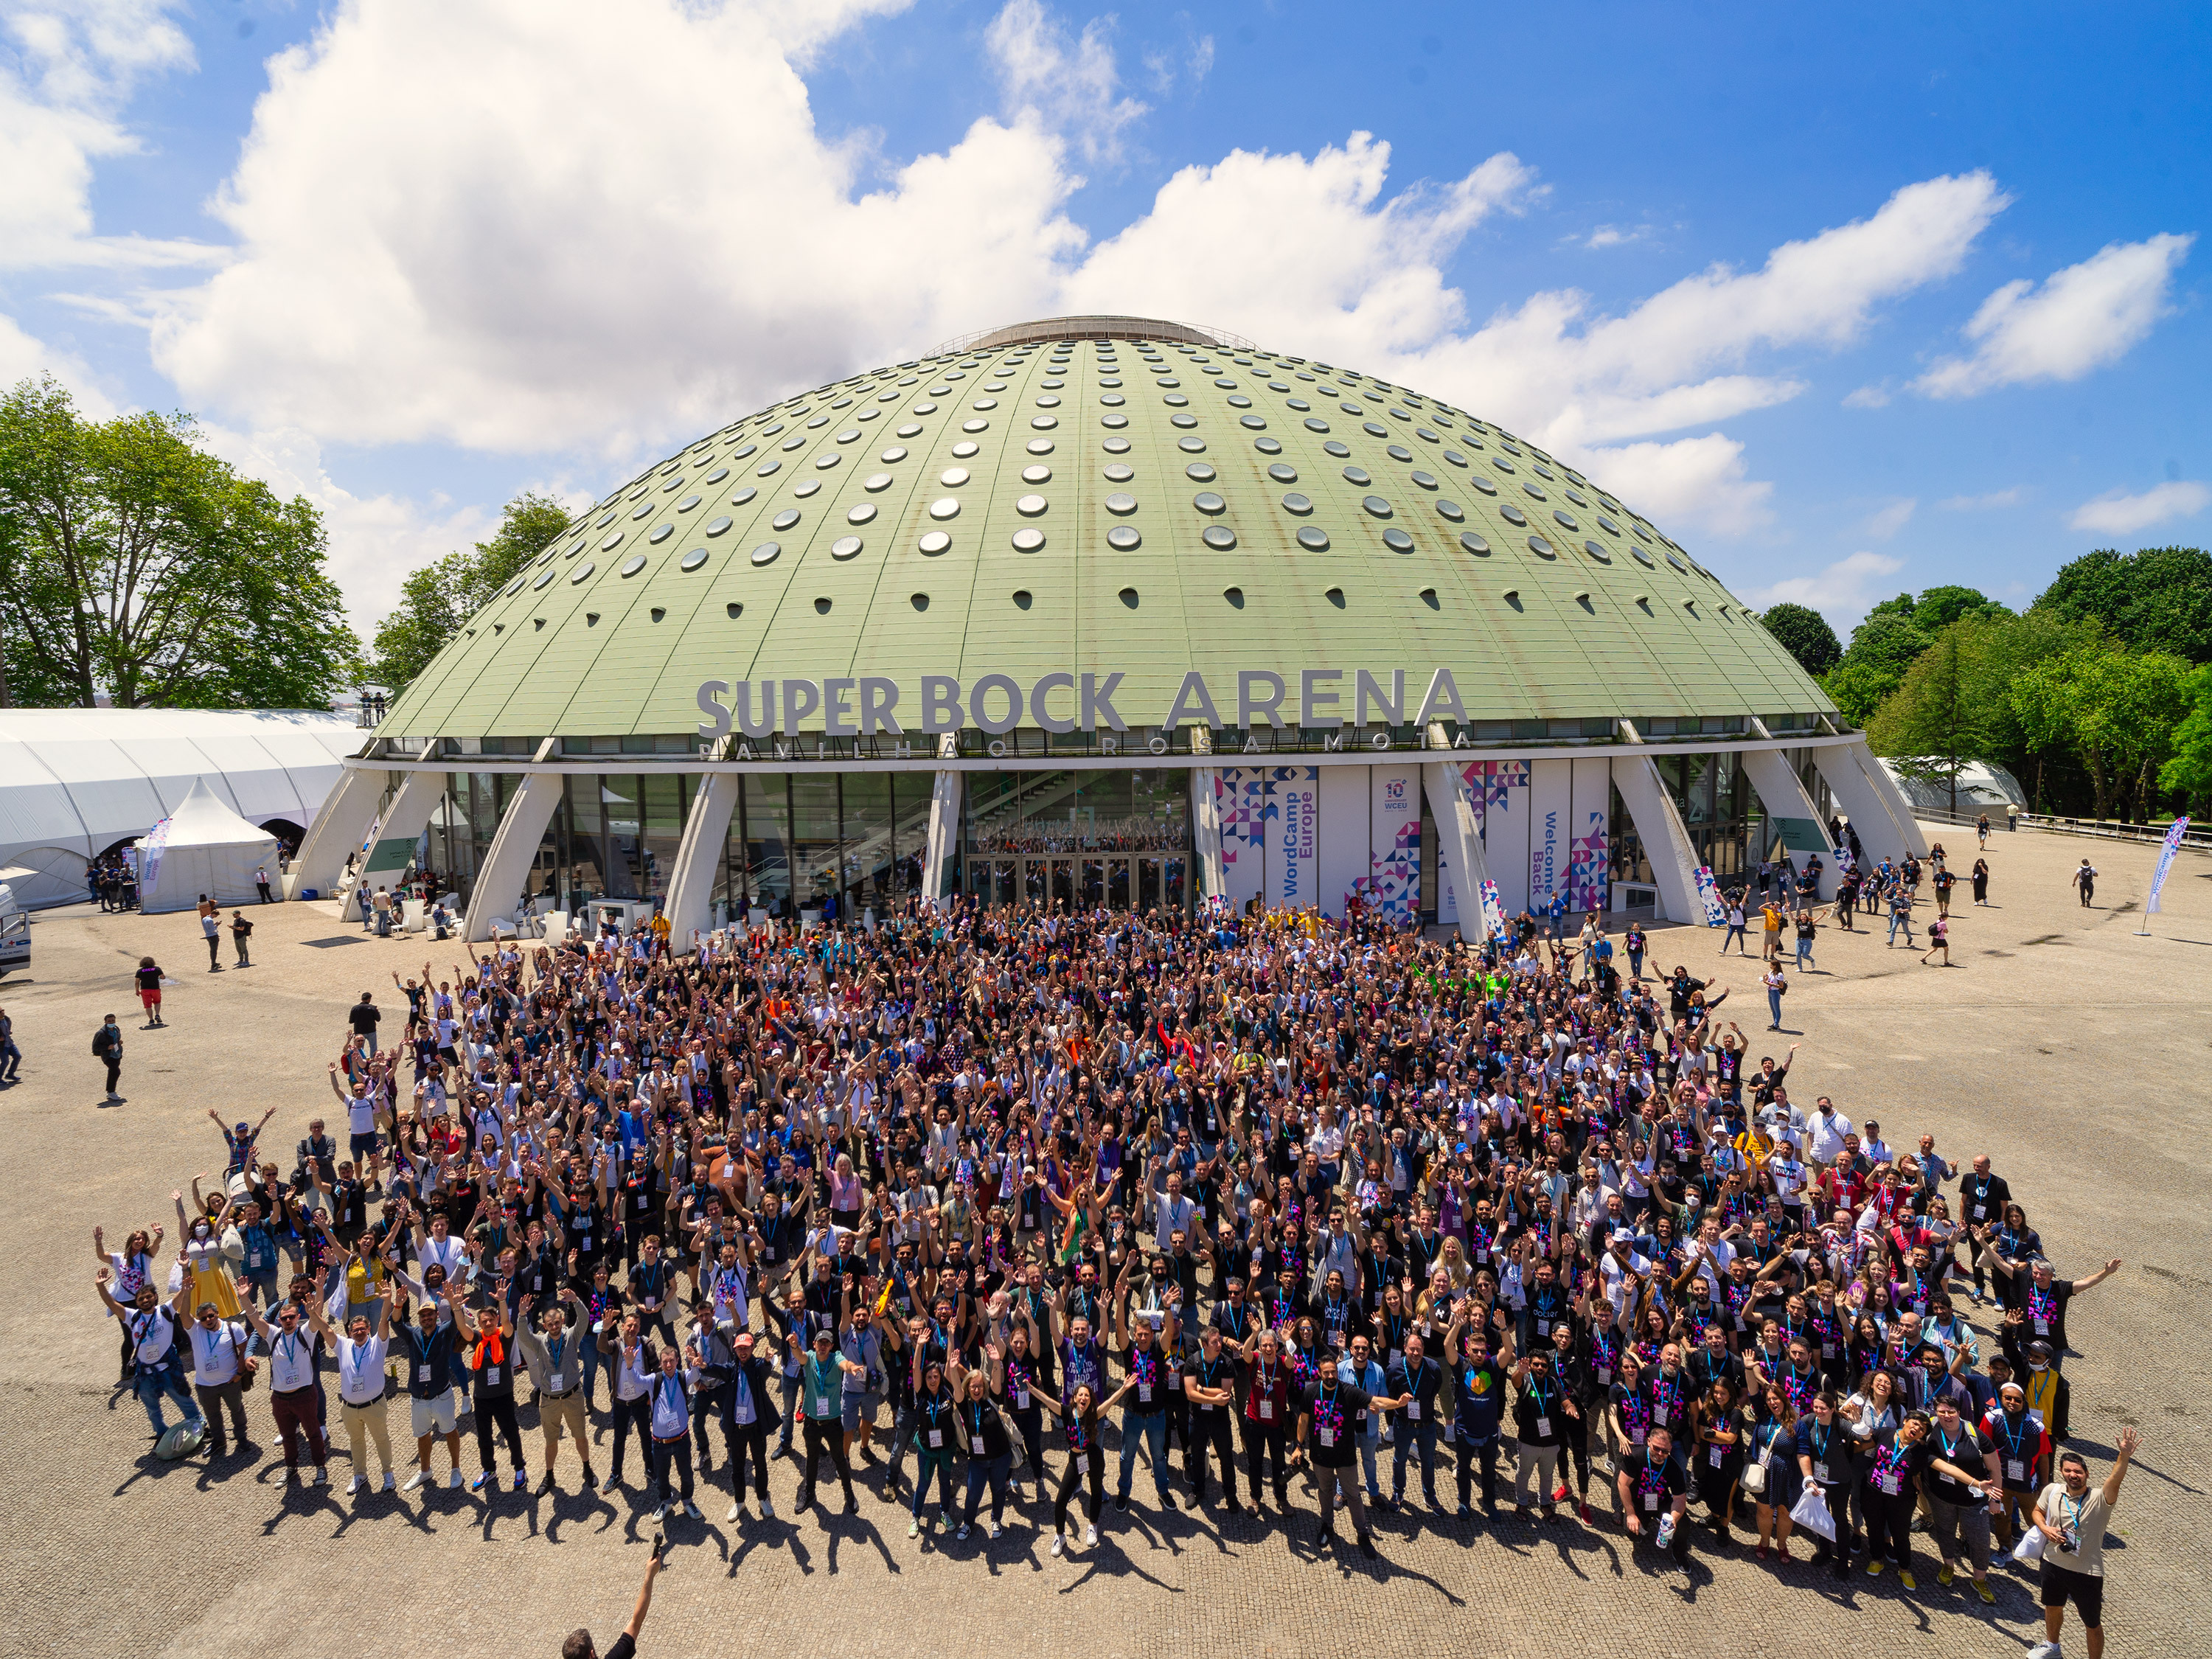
{"x":75,"y":782}
{"x":207,"y":851}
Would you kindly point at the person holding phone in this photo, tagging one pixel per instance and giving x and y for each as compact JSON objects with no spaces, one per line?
{"x":580,"y":1645}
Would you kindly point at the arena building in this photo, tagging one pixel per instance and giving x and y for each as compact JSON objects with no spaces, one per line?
{"x":1107,"y":610}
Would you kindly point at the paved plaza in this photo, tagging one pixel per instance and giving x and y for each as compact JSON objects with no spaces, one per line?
{"x":2071,"y":1050}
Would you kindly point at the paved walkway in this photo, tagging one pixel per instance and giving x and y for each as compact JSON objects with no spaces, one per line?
{"x":2071,"y":1050}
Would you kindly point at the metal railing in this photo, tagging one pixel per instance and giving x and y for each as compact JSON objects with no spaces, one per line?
{"x":2197,"y":837}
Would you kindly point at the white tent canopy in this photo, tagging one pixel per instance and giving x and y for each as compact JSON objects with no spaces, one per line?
{"x":75,"y":781}
{"x":211,"y":853}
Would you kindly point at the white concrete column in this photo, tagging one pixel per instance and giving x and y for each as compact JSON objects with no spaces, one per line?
{"x":1781,"y":792}
{"x":941,"y":849}
{"x":699,"y":860}
{"x":1892,"y":797}
{"x":1459,"y":835}
{"x":339,"y":827}
{"x":1667,"y":845}
{"x":1206,"y":832}
{"x":513,"y":849}
{"x":1863,"y":803}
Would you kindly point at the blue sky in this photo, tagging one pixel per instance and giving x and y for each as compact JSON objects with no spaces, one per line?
{"x":1878,"y":300}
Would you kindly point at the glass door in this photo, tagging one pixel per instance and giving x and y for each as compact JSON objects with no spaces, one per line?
{"x":1118,"y":884}
{"x":1063,"y":885}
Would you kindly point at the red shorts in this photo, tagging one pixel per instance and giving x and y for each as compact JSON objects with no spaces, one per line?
{"x":150,"y":999}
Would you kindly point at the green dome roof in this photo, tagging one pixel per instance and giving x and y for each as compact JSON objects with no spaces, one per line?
{"x":1106,"y":495}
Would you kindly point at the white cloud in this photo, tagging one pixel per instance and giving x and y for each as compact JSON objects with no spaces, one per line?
{"x":479,"y":225}
{"x":67,"y":69}
{"x":2117,"y":514}
{"x":1840,"y":591}
{"x":1071,"y":86}
{"x":1163,"y":68}
{"x":2082,"y":317}
{"x":1988,"y":503}
{"x":1890,"y":519}
{"x":1867,"y":397}
{"x":25,"y":358}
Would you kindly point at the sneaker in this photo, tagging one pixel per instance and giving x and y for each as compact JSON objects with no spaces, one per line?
{"x":1466,"y":1512}
{"x":354,"y":1485}
{"x":1367,"y":1547}
{"x":1874,"y":1567}
{"x":322,"y":1477}
{"x":1058,"y":1544}
{"x":2044,"y":1650}
{"x":1091,"y":1536}
{"x":1904,"y":1577}
{"x":1583,"y":1510}
{"x":522,"y":1479}
{"x":547,"y":1484}
{"x":477,"y":1485}
{"x":391,"y":1481}
{"x":1167,"y":1500}
{"x":995,"y":1530}
{"x":961,"y":1536}
{"x":914,"y":1528}
{"x":1122,"y":1501}
{"x":768,"y":1508}
{"x":1325,"y":1538}
{"x":691,"y":1509}
{"x":454,"y":1482}
{"x":659,"y":1515}
{"x":1944,"y":1575}
{"x":737,"y":1513}
{"x":415,"y":1479}
{"x":1982,"y":1589}
{"x":591,"y":1480}
{"x":852,"y":1504}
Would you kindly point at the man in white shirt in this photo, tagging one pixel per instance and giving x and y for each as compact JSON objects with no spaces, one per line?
{"x":361,"y":1353}
{"x":1825,"y":1130}
{"x":293,"y":1395}
{"x":1172,"y":1213}
{"x":217,"y":1351}
{"x":152,"y":1332}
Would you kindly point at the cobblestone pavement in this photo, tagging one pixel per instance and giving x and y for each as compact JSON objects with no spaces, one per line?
{"x":2072,"y":1050}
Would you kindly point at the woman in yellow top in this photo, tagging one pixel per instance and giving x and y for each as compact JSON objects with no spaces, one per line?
{"x":209,"y":1253}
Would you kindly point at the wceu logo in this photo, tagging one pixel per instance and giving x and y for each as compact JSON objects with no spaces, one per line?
{"x":1394,"y":791}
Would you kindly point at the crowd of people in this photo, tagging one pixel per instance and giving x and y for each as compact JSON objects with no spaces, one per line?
{"x":985,"y":1200}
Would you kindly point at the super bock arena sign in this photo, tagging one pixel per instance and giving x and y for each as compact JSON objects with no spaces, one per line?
{"x":1315,"y":699}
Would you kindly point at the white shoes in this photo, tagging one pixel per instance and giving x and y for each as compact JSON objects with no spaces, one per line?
{"x":2044,"y":1650}
{"x":736,"y":1512}
{"x":416,"y":1480}
{"x":914,"y":1529}
{"x":1090,"y":1535}
{"x":454,"y":1482}
{"x":962,"y":1534}
{"x":391,"y":1481}
{"x":691,"y":1509}
{"x":659,"y":1515}
{"x":1058,"y":1544}
{"x":995,"y":1531}
{"x":354,"y":1485}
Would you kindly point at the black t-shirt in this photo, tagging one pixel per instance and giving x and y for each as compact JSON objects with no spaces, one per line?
{"x":1539,"y":1411}
{"x":1148,"y":1368}
{"x":1982,"y":1199}
{"x":987,"y":1436}
{"x":1211,"y":1374}
{"x":363,"y":1018}
{"x":1966,"y":1449}
{"x":1657,"y":1485}
{"x":1338,"y":1410}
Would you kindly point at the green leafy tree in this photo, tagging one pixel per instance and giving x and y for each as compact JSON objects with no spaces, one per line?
{"x":2188,"y":774}
{"x":436,"y":601}
{"x":1805,"y":634}
{"x":2157,"y":599}
{"x":1946,"y":711}
{"x":1937,"y":608}
{"x":135,"y":563}
{"x":2120,"y":710}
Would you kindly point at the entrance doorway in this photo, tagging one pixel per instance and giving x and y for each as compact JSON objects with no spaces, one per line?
{"x":1113,"y":881}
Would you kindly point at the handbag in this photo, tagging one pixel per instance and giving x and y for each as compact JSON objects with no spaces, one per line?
{"x":1754,"y":1479}
{"x":248,"y":1367}
{"x":2030,"y":1548}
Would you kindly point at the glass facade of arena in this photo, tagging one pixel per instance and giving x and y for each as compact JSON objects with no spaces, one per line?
{"x":1077,"y":839}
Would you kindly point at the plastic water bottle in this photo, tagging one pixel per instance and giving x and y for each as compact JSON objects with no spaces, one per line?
{"x":1666,"y":1530}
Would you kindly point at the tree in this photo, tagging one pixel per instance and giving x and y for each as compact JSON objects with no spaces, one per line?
{"x":1937,"y":608}
{"x":133,"y":562}
{"x":2157,"y":599}
{"x":2120,"y":709}
{"x":2188,"y":774}
{"x":1805,"y":634}
{"x":436,"y":601}
{"x":1944,"y":712}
